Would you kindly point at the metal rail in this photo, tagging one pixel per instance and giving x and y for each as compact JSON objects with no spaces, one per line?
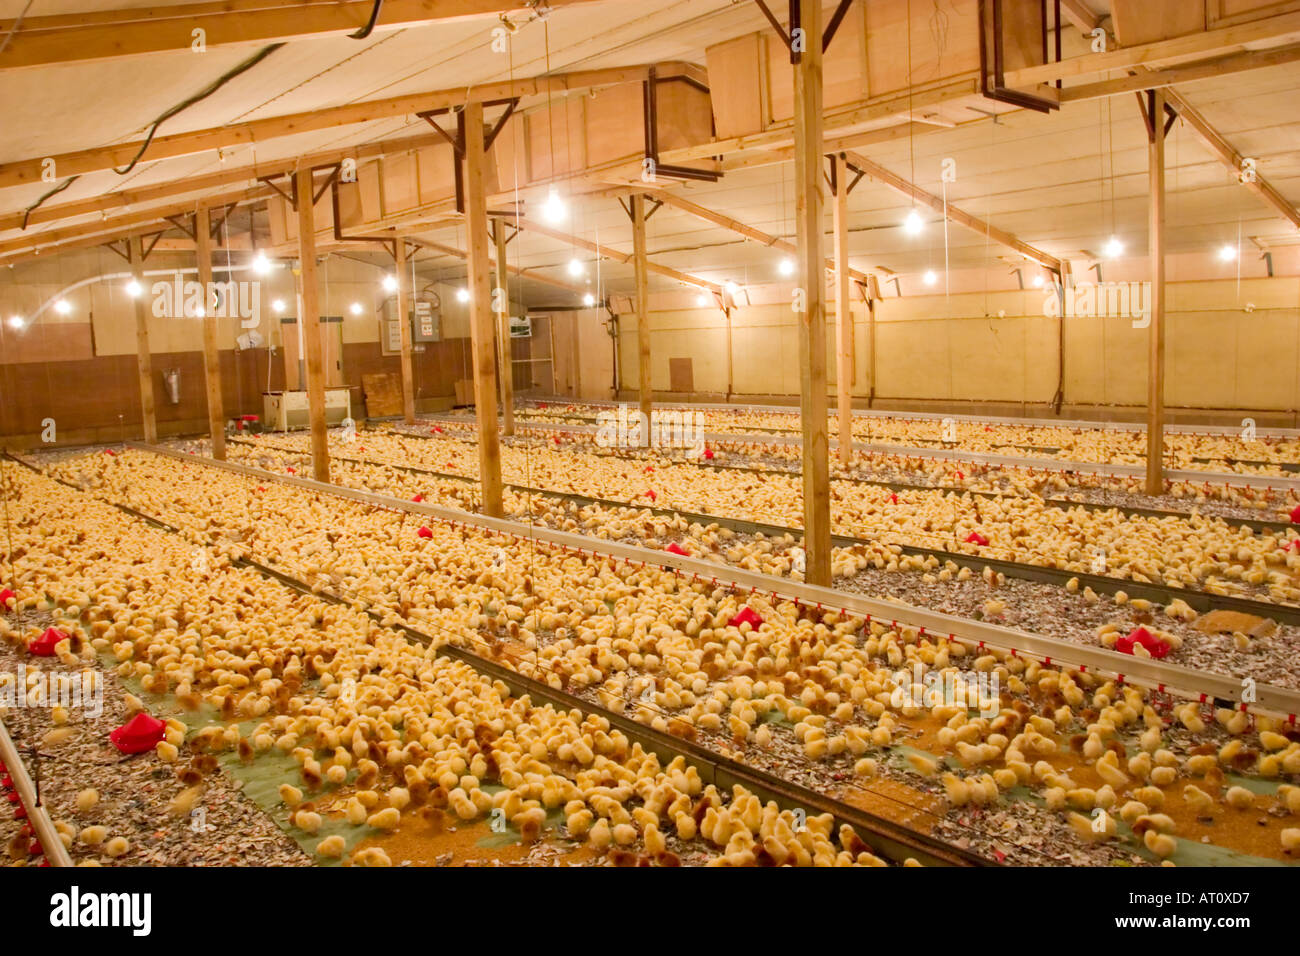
{"x":894,"y":841}
{"x":1075,"y":423}
{"x":1169,"y":678}
{"x":51,"y":843}
{"x":1256,"y":525}
{"x":967,"y":457}
{"x":1199,"y":600}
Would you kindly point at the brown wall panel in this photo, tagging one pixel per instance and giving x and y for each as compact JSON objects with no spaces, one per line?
{"x":100,"y":394}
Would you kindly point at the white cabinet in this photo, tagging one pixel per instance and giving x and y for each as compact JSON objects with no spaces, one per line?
{"x":283,"y":411}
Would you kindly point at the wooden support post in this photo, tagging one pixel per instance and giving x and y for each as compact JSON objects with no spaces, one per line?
{"x":505,"y":349}
{"x":482,"y":337}
{"x":811,"y":310}
{"x":404,"y":322}
{"x":1156,"y":331}
{"x":211,"y":357}
{"x":143,"y":362}
{"x":642,"y":307}
{"x":843,"y":310}
{"x":310,"y":319}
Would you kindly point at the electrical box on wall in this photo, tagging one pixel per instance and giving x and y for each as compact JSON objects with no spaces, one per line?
{"x":521,"y":328}
{"x":424,"y":313}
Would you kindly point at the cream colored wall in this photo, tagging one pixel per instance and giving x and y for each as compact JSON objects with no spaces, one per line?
{"x":1001,"y":347}
{"x":111,"y":311}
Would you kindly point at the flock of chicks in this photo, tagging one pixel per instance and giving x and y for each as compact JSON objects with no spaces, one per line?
{"x":1193,"y":552}
{"x":749,"y":677}
{"x":937,"y":472}
{"x":1120,"y":445}
{"x":361,"y":709}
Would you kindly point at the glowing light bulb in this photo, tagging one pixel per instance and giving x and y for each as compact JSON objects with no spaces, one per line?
{"x":786,"y":268}
{"x":261,"y":264}
{"x":731,"y":287}
{"x":553,"y":209}
{"x":931,"y":277}
{"x":1038,"y":282}
{"x":133,"y":289}
{"x":355,"y":308}
{"x":462,"y":295}
{"x":63,"y":307}
{"x":588,"y":299}
{"x":913,"y":225}
{"x":15,"y":321}
{"x":701,"y":300}
{"x":278,"y":305}
{"x":1227,"y":253}
{"x":390,"y":283}
{"x":1114,"y":247}
{"x":575,"y":267}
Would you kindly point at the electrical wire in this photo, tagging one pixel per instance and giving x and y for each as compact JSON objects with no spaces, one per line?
{"x":370,"y":24}
{"x":185,"y":104}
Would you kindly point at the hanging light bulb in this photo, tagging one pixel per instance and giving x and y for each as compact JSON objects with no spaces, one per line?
{"x":462,"y":295}
{"x":133,"y":289}
{"x":575,"y":267}
{"x":701,"y":300}
{"x":63,"y":307}
{"x":786,"y":268}
{"x":1114,"y":247}
{"x":931,"y":277}
{"x":390,"y":283}
{"x":15,"y":322}
{"x":261,"y":264}
{"x":1227,"y":253}
{"x":553,"y":209}
{"x":913,"y":225}
{"x":355,"y":308}
{"x":588,"y":299}
{"x":278,"y":305}
{"x":1037,"y":282}
{"x":731,"y":287}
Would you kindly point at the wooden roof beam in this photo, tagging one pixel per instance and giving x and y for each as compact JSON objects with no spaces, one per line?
{"x":79,"y":162}
{"x":1077,"y":12}
{"x":523,"y":273}
{"x":1231,"y":158}
{"x":1214,"y":69}
{"x":112,"y":34}
{"x":180,"y":187}
{"x":749,"y":232}
{"x":622,"y":257}
{"x":912,"y":192}
{"x":100,"y":231}
{"x":1274,"y":31}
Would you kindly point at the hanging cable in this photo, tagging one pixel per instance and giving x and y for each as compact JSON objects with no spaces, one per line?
{"x":185,"y":104}
{"x":370,"y":24}
{"x":53,"y":192}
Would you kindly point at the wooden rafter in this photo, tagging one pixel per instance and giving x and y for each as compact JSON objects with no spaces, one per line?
{"x":1278,"y":30}
{"x":95,"y":233}
{"x":1214,"y":69}
{"x":1231,"y":158}
{"x":623,"y":257}
{"x":80,"y":162}
{"x":749,"y":232}
{"x":82,"y":37}
{"x":913,"y":192}
{"x":197,"y":184}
